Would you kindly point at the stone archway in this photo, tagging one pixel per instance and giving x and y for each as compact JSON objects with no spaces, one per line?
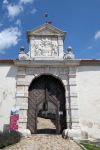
{"x":46,"y":88}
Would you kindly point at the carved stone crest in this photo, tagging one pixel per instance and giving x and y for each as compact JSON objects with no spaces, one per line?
{"x":45,"y":47}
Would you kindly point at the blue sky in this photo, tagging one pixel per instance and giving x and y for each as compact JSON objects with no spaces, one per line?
{"x":79,"y":18}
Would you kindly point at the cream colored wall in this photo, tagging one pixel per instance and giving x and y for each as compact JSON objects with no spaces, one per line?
{"x":88,"y":87}
{"x":88,"y":92}
{"x":7,"y":92}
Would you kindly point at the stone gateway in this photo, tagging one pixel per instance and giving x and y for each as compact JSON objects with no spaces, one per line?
{"x":46,"y":89}
{"x":50,"y":84}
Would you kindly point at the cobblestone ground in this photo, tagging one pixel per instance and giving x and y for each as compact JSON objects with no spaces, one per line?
{"x":45,"y":142}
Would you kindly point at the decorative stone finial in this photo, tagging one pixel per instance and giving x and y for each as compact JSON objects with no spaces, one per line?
{"x":69,"y":49}
{"x":69,"y":54}
{"x":22,"y":49}
{"x":46,"y":14}
{"x":22,"y":55}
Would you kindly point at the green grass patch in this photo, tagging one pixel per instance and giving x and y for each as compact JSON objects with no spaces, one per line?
{"x":90,"y":147}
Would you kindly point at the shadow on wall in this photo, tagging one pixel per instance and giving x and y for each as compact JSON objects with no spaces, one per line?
{"x":12,"y":72}
{"x":5,"y":127}
{"x":89,"y":68}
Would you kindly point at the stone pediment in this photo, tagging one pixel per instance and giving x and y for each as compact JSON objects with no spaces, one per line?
{"x":46,"y":30}
{"x":46,"y":41}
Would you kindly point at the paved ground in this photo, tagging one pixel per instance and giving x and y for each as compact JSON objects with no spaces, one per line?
{"x":45,"y":142}
{"x":42,"y":123}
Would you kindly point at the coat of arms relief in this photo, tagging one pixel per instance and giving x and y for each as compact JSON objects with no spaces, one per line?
{"x":45,"y":47}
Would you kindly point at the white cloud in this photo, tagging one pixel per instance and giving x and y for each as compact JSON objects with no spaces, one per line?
{"x":9,"y":37}
{"x":90,"y":47}
{"x":5,"y":2}
{"x":14,"y":10}
{"x":26,"y":1}
{"x":97,"y":35}
{"x":34,"y":11}
{"x":1,"y":24}
{"x":18,"y":22}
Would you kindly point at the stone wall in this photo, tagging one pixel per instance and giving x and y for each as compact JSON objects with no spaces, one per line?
{"x":82,"y":92}
{"x":88,"y":87}
{"x":7,"y":93}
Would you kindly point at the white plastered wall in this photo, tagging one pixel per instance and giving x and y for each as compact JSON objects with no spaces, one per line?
{"x":7,"y":93}
{"x":88,"y":87}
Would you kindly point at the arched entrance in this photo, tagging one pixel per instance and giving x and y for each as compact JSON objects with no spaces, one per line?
{"x":45,"y":89}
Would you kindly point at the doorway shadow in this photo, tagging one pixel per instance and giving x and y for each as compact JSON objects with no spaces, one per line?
{"x":46,"y":131}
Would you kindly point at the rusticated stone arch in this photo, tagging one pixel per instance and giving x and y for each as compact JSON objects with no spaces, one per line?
{"x":46,"y":88}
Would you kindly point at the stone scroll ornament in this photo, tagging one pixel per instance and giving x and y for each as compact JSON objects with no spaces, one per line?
{"x":45,"y":47}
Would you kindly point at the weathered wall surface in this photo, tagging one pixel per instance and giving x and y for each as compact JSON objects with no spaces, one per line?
{"x":7,"y":92}
{"x":88,"y":87}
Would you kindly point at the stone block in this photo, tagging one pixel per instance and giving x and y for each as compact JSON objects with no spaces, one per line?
{"x":72,"y":81}
{"x":72,"y":133}
{"x":24,"y":132}
{"x":24,"y":107}
{"x":21,"y":102}
{"x":29,"y":78}
{"x":23,"y":113}
{"x":21,"y":69}
{"x":73,"y":94}
{"x":64,"y":82}
{"x":61,"y":51}
{"x":74,"y":112}
{"x":60,"y":42}
{"x":22,"y":76}
{"x":20,"y":82}
{"x":75,"y":119}
{"x":23,"y":83}
{"x":19,"y":94}
{"x":20,"y":89}
{"x":22,"y":125}
{"x":62,"y":76}
{"x":72,"y":106}
{"x":22,"y":120}
{"x":75,"y":125}
{"x":73,"y":89}
{"x":72,"y":75}
{"x":72,"y":70}
{"x":26,"y":94}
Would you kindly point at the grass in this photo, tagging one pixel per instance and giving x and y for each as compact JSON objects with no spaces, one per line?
{"x":90,"y":147}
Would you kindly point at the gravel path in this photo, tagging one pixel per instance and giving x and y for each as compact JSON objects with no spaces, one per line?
{"x":42,"y":123}
{"x":45,"y":142}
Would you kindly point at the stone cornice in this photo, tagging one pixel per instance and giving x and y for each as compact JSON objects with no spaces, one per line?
{"x":55,"y":62}
{"x":47,"y":63}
